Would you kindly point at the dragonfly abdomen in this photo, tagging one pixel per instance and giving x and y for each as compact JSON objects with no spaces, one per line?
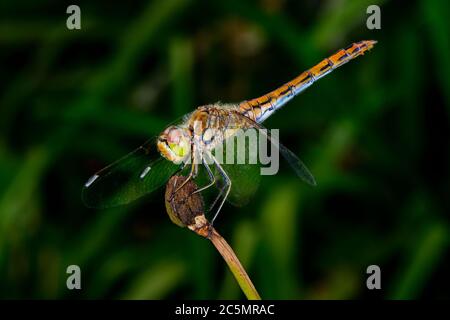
{"x":261,"y":108}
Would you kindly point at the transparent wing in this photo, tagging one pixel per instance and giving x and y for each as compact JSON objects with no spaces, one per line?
{"x":245,"y":180}
{"x":244,"y":174}
{"x":297,"y":165}
{"x":136,"y":174}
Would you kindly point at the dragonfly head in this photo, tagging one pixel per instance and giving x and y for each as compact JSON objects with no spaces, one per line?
{"x":174,"y":144}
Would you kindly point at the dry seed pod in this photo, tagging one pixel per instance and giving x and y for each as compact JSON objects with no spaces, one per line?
{"x":185,"y":208}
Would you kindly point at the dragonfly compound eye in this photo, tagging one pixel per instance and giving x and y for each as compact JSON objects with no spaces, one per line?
{"x":174,"y":144}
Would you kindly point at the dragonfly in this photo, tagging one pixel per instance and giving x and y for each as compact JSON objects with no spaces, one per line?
{"x":152,"y":164}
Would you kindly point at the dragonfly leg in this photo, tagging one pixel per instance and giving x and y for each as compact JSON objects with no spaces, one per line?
{"x":222,"y":190}
{"x":211,"y":176}
{"x":189,"y":177}
{"x":227,"y":182}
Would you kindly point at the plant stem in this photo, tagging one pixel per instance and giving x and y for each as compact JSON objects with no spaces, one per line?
{"x":234,"y":264}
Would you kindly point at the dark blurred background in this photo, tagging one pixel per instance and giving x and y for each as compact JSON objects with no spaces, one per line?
{"x":374,"y":133}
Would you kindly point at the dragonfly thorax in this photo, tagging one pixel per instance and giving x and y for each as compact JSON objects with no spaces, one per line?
{"x":174,"y":144}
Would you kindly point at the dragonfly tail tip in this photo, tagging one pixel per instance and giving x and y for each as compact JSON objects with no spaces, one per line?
{"x":371,"y":43}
